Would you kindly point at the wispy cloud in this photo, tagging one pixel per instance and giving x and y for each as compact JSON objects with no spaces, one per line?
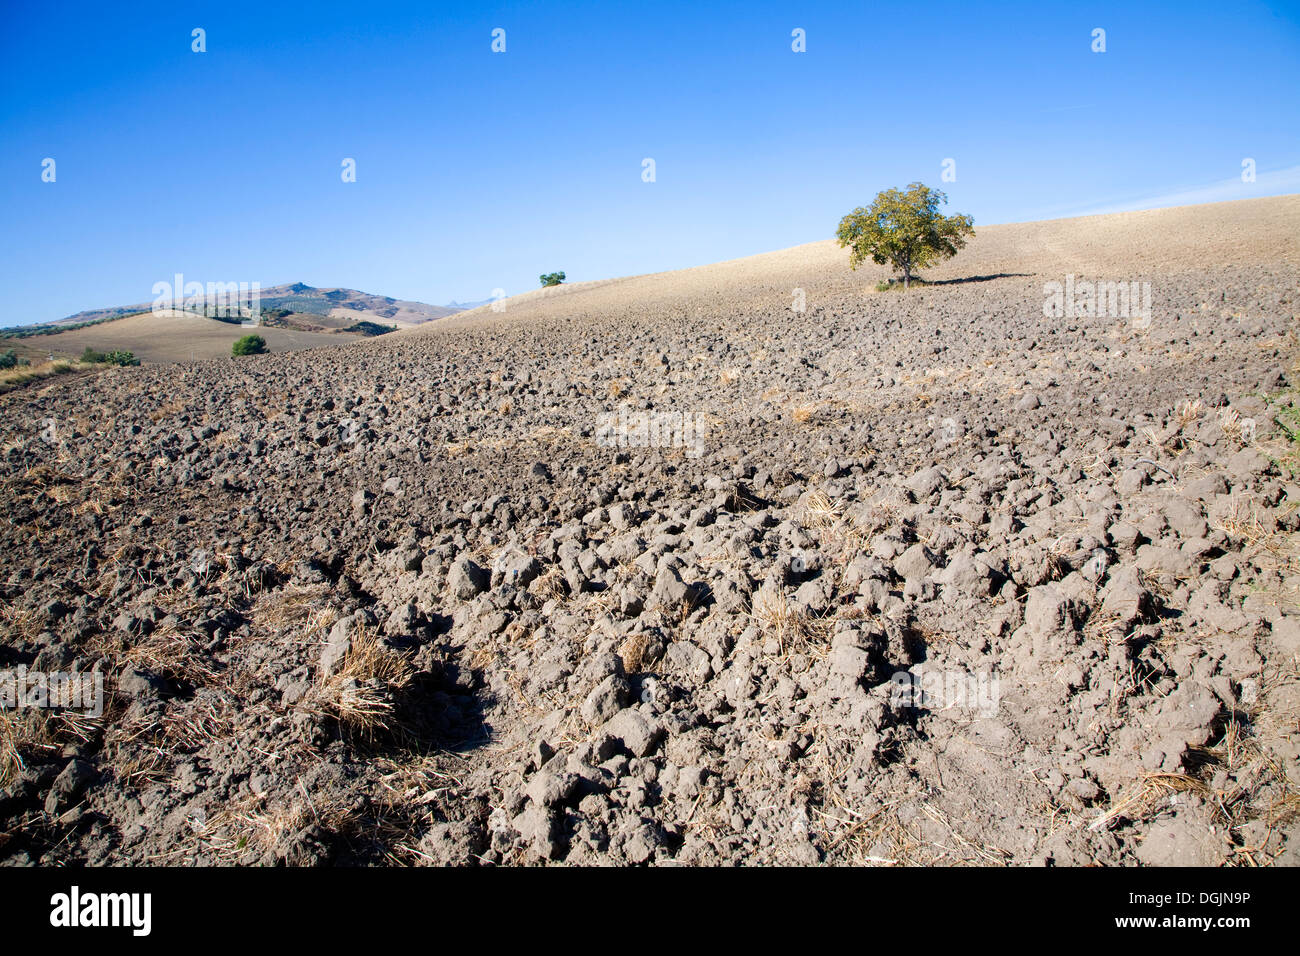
{"x":1267,"y":183}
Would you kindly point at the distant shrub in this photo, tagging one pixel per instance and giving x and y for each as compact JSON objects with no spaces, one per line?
{"x":275,"y":317}
{"x":248,"y":345}
{"x":115,"y":357}
{"x":8,"y":358}
{"x":552,"y":278}
{"x":366,"y":327}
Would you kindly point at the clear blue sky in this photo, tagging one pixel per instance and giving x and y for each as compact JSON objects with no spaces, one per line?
{"x":478,"y":170}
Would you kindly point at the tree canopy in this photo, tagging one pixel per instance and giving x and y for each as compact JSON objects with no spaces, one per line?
{"x":904,"y":229}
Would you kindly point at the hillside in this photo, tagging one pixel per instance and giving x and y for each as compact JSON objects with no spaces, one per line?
{"x":352,"y":305}
{"x":659,"y":570}
{"x":167,"y":337}
{"x":300,"y":317}
{"x":344,"y":305}
{"x":1108,"y":247}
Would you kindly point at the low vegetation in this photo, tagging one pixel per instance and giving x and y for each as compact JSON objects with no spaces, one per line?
{"x":363,"y":694}
{"x":891,"y":285}
{"x":248,"y":345}
{"x":116,"y":357}
{"x":552,"y":278}
{"x":366,"y":327}
{"x":11,"y":378}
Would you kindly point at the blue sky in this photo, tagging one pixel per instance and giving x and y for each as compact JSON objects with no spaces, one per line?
{"x":479,"y":170}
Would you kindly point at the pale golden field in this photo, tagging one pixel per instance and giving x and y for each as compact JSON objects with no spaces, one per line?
{"x":166,"y":337}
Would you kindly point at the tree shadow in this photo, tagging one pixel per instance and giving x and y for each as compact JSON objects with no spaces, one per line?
{"x":989,"y":278}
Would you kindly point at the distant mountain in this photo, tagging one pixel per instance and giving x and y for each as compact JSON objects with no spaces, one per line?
{"x":466,"y":306}
{"x":302,"y":298}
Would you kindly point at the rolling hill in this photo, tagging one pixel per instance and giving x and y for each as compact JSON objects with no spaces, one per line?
{"x":166,"y":337}
{"x":342,"y":304}
{"x":296,"y":316}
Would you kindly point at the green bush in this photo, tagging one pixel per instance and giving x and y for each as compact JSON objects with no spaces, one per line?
{"x":248,"y":345}
{"x":115,"y":357}
{"x":552,"y":278}
{"x":366,"y":327}
{"x":8,"y":358}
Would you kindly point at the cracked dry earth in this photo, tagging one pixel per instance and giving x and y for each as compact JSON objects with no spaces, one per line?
{"x":393,"y":602}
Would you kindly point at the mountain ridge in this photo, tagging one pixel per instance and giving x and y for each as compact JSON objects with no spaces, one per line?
{"x":298,"y":297}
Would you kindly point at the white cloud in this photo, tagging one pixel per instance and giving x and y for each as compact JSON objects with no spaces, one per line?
{"x":1267,"y":183}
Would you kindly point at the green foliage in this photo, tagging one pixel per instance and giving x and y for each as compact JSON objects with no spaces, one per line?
{"x":248,"y":345}
{"x":116,"y":357}
{"x":366,"y":327}
{"x":904,"y":229}
{"x":552,"y":278}
{"x":8,"y":358}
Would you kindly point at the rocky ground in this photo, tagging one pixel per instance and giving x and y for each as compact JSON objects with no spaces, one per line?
{"x":402,"y":602}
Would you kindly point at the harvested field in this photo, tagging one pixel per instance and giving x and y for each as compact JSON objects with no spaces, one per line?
{"x":661,"y":571}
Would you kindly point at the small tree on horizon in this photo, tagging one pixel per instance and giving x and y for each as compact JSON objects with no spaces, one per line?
{"x":552,"y":278}
{"x":905,"y":229}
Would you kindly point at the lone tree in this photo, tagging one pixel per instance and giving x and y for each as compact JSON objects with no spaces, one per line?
{"x":248,"y":345}
{"x":905,"y":229}
{"x":552,"y":278}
